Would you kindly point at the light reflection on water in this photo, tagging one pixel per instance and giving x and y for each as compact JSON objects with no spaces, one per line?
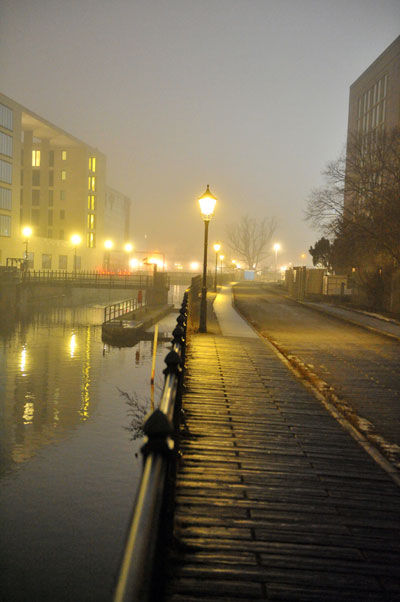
{"x":68,"y":464}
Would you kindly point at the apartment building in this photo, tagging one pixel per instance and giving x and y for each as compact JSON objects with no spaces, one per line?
{"x":54,"y":184}
{"x":374,"y":102}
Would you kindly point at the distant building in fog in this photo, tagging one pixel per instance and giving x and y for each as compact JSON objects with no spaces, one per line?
{"x":56,"y":184}
{"x":375,"y":96}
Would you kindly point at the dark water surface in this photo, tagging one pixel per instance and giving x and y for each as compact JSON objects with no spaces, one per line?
{"x":68,"y":470}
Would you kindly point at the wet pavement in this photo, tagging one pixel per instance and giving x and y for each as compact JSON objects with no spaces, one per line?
{"x":274,"y":499}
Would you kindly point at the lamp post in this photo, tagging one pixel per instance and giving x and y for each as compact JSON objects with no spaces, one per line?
{"x":221,"y":257}
{"x":217,"y":247}
{"x":277,"y":247}
{"x":27,"y":232}
{"x":76,"y":240}
{"x":207,"y":204}
{"x":108,"y":244}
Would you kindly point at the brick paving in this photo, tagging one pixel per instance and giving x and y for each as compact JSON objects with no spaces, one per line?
{"x":274,"y":500}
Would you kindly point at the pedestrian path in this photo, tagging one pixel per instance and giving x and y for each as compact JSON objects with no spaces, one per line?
{"x":230,"y":322}
{"x":274,"y":500}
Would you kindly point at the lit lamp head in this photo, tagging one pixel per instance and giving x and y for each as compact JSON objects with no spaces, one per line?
{"x":217,"y":247}
{"x":27,"y":231}
{"x":277,"y":247}
{"x":222,"y":257}
{"x":108,"y":244}
{"x":207,"y":204}
{"x":76,"y":240}
{"x":128,"y":247}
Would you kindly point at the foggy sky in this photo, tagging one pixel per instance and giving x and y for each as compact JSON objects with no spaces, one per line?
{"x":249,"y":96}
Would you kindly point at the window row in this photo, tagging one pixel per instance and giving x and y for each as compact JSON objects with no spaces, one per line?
{"x":47,"y":262}
{"x":36,"y":154}
{"x":36,"y":177}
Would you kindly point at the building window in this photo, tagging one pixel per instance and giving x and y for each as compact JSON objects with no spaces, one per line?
{"x":6,"y":144}
{"x":61,"y":236}
{"x":62,"y":214}
{"x":5,"y":198}
{"x":92,"y":183}
{"x":36,"y":196}
{"x":91,"y":240}
{"x":5,"y":172}
{"x":62,"y":195}
{"x":36,"y":158}
{"x":49,"y":233}
{"x":91,"y":222}
{"x":51,"y":158}
{"x":63,"y":174}
{"x":35,"y":217}
{"x":51,"y":178}
{"x":92,"y":164}
{"x":6,"y":117}
{"x":91,"y":202}
{"x":5,"y":225}
{"x":50,"y":218}
{"x":64,"y":155}
{"x":51,"y":198}
{"x":62,"y":262}
{"x":371,"y":108}
{"x":46,"y":261}
{"x":36,"y":178}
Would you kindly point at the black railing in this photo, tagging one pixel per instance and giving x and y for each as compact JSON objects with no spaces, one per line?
{"x":136,"y":579}
{"x":119,"y":309}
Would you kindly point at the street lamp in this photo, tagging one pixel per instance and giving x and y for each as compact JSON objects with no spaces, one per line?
{"x":277,"y":247}
{"x":207,"y":204}
{"x":108,"y":244}
{"x":221,"y":257}
{"x":27,"y":232}
{"x":76,"y":240}
{"x":128,"y":248}
{"x":217,"y":247}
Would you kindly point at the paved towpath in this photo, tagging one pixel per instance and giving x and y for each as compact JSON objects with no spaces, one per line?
{"x":274,"y":500}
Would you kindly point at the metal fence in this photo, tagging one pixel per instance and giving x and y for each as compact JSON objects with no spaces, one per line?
{"x":119,"y":309}
{"x":136,"y":581}
{"x":86,"y":278}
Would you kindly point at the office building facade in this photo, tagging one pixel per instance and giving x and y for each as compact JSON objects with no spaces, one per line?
{"x":55,"y":184}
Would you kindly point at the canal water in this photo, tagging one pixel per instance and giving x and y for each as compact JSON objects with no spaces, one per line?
{"x":69,"y":457}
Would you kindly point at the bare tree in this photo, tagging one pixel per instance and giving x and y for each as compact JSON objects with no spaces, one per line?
{"x":250,"y":239}
{"x":359,"y":205}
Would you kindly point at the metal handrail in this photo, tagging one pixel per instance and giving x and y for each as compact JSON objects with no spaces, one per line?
{"x":135,"y":581}
{"x":118,"y":309}
{"x":84,"y":277}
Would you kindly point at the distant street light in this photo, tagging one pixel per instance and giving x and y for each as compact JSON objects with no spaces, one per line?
{"x":108,"y":244}
{"x":207,"y":204}
{"x":221,"y":257}
{"x":27,"y":232}
{"x":128,"y":247}
{"x":75,"y":240}
{"x":277,"y":247}
{"x":217,"y":247}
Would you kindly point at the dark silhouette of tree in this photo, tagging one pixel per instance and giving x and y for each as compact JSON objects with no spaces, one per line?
{"x":250,"y":239}
{"x":321,"y":253}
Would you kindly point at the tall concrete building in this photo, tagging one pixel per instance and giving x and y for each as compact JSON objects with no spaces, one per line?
{"x":55,"y":184}
{"x":375,"y":95}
